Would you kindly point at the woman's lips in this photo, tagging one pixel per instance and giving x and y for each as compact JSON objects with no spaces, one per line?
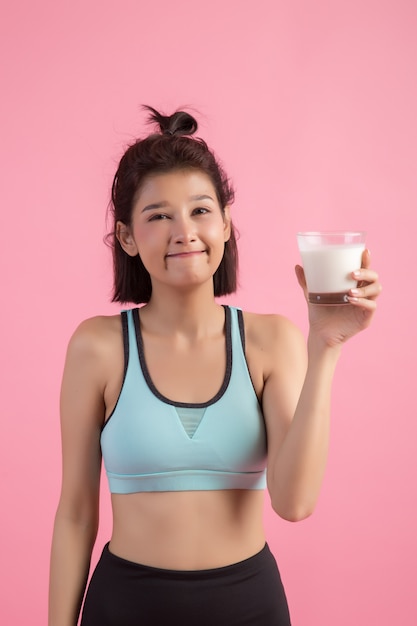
{"x":179,"y":255}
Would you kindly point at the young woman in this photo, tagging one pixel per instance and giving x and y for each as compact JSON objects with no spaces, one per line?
{"x":195,"y":408}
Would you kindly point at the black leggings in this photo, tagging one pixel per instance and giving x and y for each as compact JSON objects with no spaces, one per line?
{"x":248,"y":593}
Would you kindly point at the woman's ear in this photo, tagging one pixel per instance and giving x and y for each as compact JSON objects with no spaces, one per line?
{"x":124,"y":237}
{"x":227,"y":220}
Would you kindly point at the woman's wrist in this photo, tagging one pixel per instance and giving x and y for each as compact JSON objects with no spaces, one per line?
{"x":318,"y":348}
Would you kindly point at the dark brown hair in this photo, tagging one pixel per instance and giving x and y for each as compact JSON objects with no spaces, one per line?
{"x":172,"y":148}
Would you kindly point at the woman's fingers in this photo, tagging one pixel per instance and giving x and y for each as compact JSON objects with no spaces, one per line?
{"x":301,"y":277}
{"x":368,"y":284}
{"x":367,"y":304}
{"x":368,"y":288}
{"x":366,"y":258}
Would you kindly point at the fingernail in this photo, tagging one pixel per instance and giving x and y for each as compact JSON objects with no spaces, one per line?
{"x":357,"y":273}
{"x":354,"y":292}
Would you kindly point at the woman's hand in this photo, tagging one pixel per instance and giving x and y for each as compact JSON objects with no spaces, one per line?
{"x":336,"y":324}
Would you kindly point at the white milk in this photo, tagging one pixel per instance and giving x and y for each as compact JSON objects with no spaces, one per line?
{"x":328,"y":269}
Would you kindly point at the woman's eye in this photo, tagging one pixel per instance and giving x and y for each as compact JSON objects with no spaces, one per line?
{"x":200,"y":211}
{"x":158,"y":216}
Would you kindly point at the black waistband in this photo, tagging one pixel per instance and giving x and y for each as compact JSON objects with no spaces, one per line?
{"x":247,"y":566}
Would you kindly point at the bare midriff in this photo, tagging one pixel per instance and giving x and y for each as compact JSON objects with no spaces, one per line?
{"x":188,"y":530}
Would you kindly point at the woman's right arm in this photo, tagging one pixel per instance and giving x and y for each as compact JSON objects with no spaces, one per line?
{"x":76,"y":521}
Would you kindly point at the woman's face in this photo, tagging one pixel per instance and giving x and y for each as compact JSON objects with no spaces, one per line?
{"x":177,"y":228}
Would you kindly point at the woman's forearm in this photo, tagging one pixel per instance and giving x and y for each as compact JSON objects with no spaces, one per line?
{"x":298,"y":470}
{"x":72,"y":544}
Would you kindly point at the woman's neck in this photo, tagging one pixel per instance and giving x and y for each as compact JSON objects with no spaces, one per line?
{"x":194,"y":313}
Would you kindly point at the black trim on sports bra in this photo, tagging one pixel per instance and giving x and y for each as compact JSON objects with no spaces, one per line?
{"x":148,"y":379}
{"x":241,"y":328}
{"x":242,"y":336}
{"x":125,"y":332}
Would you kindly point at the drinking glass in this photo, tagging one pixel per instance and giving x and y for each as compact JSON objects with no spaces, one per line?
{"x":329,"y":258}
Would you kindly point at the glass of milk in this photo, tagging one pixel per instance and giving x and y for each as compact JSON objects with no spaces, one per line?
{"x":329,"y":258}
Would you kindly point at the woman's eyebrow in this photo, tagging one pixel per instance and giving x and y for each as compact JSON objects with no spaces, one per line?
{"x":164,"y":203}
{"x":155,"y":205}
{"x":201,"y":197}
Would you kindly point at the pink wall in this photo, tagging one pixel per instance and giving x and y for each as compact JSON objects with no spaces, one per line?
{"x":312,"y":106}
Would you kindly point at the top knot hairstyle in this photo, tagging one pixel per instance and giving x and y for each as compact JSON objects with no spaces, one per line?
{"x":179,"y":123}
{"x":172,"y":148}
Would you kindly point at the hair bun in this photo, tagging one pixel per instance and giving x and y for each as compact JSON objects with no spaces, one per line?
{"x":179,"y":123}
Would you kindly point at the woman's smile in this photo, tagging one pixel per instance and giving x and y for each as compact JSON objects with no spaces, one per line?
{"x":185,"y":254}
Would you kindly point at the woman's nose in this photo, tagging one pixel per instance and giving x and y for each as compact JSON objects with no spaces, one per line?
{"x":183,"y":231}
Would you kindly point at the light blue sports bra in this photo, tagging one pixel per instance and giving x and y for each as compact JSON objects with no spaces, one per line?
{"x":150,"y":443}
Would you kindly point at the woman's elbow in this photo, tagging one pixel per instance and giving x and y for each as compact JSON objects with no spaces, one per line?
{"x":293,"y":513}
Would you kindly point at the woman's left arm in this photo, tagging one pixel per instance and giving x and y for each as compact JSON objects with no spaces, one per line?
{"x":297,"y":394}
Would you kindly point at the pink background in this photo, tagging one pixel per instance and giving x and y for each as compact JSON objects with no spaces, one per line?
{"x":312,"y":108}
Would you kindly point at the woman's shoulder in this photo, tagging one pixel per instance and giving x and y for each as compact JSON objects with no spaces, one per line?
{"x":95,"y":335}
{"x":273,"y":340}
{"x":269,"y":332}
